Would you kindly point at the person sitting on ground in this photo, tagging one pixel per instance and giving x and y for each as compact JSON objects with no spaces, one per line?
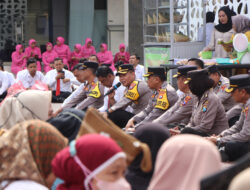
{"x":154,"y":135}
{"x":30,"y":104}
{"x":163,"y":98}
{"x":60,"y":81}
{"x":91,"y":162}
{"x":88,"y":49}
{"x":105,"y":56}
{"x":183,"y":161}
{"x":208,"y":114}
{"x":182,"y":110}
{"x":236,"y":139}
{"x":26,"y":152}
{"x":136,"y":95}
{"x":29,"y":76}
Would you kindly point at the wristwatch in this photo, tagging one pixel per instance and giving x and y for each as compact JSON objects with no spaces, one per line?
{"x":218,"y":141}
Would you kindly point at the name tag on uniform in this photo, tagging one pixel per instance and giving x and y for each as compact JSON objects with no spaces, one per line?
{"x":132,"y":92}
{"x":162,"y":100}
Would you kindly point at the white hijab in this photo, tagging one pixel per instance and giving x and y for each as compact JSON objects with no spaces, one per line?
{"x":30,"y":104}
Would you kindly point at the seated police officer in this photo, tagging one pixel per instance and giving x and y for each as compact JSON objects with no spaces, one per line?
{"x":236,"y":139}
{"x":163,"y":97}
{"x":137,"y":95}
{"x":181,"y":112}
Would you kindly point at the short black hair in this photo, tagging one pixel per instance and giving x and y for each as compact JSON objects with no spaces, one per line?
{"x":93,"y":55}
{"x":57,"y":59}
{"x":30,"y":61}
{"x":136,"y":56}
{"x":198,"y":87}
{"x":198,"y":62}
{"x":104,"y":71}
{"x":83,"y":60}
{"x":76,"y":67}
{"x":210,"y":16}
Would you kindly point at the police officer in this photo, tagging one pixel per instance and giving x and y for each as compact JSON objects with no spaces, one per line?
{"x":237,"y":138}
{"x":92,"y":94}
{"x":220,"y":84}
{"x":137,"y":95}
{"x":182,"y":110}
{"x":163,"y":98}
{"x":208,"y":114}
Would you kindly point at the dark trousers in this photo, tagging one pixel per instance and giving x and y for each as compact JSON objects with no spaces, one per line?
{"x":120,"y":117}
{"x":189,"y":130}
{"x":235,"y":150}
{"x":61,"y":97}
{"x":3,"y":96}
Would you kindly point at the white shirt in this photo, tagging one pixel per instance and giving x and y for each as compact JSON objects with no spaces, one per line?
{"x":50,"y":79}
{"x":119,"y":93}
{"x":11,"y":78}
{"x":23,"y":185}
{"x":74,"y":94}
{"x":27,"y":80}
{"x":139,"y":72}
{"x":4,"y":82}
{"x":209,"y":30}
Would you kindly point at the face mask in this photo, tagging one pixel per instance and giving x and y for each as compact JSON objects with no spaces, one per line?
{"x":120,"y":184}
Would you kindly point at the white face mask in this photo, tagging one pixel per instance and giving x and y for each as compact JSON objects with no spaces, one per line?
{"x":120,"y":184}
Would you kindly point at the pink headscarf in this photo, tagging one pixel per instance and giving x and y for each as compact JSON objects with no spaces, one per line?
{"x":31,"y":41}
{"x":120,"y":47}
{"x":124,"y":54}
{"x":48,"y":57}
{"x":183,"y":161}
{"x":93,"y":151}
{"x":87,"y":52}
{"x":18,"y":63}
{"x":106,"y":57}
{"x":242,"y":23}
{"x":18,"y":47}
{"x":49,"y":44}
{"x":78,"y":47}
{"x":61,"y":40}
{"x":62,"y":50}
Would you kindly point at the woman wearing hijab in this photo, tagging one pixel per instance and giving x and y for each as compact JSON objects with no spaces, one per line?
{"x":48,"y":57}
{"x":26,"y":152}
{"x":68,"y":122}
{"x":154,"y":135}
{"x":76,"y":55}
{"x":241,"y":181}
{"x":183,"y":161}
{"x":208,"y":113}
{"x":241,"y":24}
{"x":93,"y":162}
{"x":88,"y":49}
{"x":105,"y":56}
{"x":34,"y":51}
{"x":62,"y":50}
{"x":18,"y":59}
{"x":222,"y":32}
{"x":122,"y":55}
{"x":30,"y":104}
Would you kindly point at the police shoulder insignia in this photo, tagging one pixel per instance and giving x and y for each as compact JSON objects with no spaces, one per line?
{"x":223,"y":87}
{"x":204,"y":106}
{"x":186,"y":100}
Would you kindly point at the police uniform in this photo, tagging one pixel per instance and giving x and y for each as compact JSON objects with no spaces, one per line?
{"x":136,"y":95}
{"x":219,"y":89}
{"x":208,"y":114}
{"x":237,"y":138}
{"x":91,"y":95}
{"x":182,"y":110}
{"x":160,"y":101}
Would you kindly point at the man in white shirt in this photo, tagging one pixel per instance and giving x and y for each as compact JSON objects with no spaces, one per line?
{"x":139,"y":69}
{"x":60,"y":81}
{"x":3,"y":85}
{"x":11,"y":77}
{"x":30,"y":75}
{"x":106,"y":77}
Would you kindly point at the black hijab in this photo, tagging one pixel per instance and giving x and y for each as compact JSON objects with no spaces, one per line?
{"x":228,"y":26}
{"x":68,"y":122}
{"x":154,"y":135}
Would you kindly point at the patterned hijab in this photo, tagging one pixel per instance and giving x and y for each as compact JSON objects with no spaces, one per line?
{"x":27,"y":149}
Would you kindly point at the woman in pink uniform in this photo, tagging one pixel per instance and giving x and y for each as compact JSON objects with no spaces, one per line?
{"x":62,"y":50}
{"x":122,"y":55}
{"x":88,"y":49}
{"x":34,"y":51}
{"x":18,"y":59}
{"x":105,"y":56}
{"x":48,"y":57}
{"x":76,"y":55}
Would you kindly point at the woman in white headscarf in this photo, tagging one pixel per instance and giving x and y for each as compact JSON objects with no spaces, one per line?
{"x":30,"y":104}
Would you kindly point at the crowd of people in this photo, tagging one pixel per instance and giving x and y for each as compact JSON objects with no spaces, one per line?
{"x":193,"y":132}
